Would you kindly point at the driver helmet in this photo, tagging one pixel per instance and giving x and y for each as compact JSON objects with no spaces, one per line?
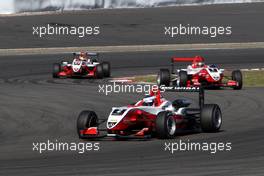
{"x":148,"y":100}
{"x":83,"y":56}
{"x":200,"y":64}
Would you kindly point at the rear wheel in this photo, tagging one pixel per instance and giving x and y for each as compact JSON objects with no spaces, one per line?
{"x":165,"y":125}
{"x":56,"y":70}
{"x":183,"y":78}
{"x":163,"y":77}
{"x":106,"y":69}
{"x":237,"y":76}
{"x":99,"y":74}
{"x":211,"y":118}
{"x":86,"y":119}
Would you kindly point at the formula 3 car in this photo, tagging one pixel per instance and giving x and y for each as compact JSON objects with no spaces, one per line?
{"x":199,"y":74}
{"x":84,"y":65}
{"x":153,"y":116}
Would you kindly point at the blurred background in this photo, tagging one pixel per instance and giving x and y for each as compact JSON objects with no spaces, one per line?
{"x":18,"y":6}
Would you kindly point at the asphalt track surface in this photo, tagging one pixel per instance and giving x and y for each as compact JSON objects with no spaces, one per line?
{"x":137,"y":26}
{"x":36,"y":108}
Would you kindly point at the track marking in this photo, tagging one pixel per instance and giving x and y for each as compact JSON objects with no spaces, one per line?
{"x":132,"y":48}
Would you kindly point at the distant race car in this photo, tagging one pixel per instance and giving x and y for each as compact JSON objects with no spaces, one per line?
{"x":153,"y":116}
{"x":199,"y":74}
{"x":84,"y":64}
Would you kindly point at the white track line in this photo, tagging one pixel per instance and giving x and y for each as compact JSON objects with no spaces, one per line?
{"x":252,"y":69}
{"x":132,"y":48}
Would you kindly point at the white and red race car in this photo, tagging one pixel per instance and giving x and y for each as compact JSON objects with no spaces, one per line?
{"x":152,"y":116}
{"x":199,"y":74}
{"x":84,"y":65}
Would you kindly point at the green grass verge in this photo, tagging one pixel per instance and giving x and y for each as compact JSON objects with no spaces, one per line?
{"x":253,"y":78}
{"x":250,"y":78}
{"x":146,"y":78}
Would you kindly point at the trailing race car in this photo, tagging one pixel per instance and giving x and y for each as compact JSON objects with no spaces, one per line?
{"x":153,"y":116}
{"x":84,"y":64}
{"x":199,"y":74}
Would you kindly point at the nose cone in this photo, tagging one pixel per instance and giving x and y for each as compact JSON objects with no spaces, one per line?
{"x":216,"y":78}
{"x":75,"y":69}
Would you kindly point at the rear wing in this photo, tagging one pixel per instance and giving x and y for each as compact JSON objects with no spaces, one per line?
{"x":88,"y":54}
{"x":185,"y":59}
{"x":92,"y":54}
{"x":199,"y":90}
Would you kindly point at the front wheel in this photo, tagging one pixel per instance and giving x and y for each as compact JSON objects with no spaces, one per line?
{"x":165,"y":125}
{"x":99,"y":73}
{"x":211,"y":118}
{"x":106,"y":69}
{"x":183,"y":78}
{"x":163,"y":77}
{"x":56,"y":70}
{"x":86,"y":119}
{"x":237,"y":76}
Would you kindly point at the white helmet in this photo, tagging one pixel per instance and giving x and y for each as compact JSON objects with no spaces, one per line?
{"x":148,"y":100}
{"x":200,"y":64}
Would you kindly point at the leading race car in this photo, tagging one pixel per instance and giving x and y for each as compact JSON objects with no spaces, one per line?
{"x":199,"y":74}
{"x":153,"y":116}
{"x":84,"y":65}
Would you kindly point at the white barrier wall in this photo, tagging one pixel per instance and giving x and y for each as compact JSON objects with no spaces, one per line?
{"x":14,"y":6}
